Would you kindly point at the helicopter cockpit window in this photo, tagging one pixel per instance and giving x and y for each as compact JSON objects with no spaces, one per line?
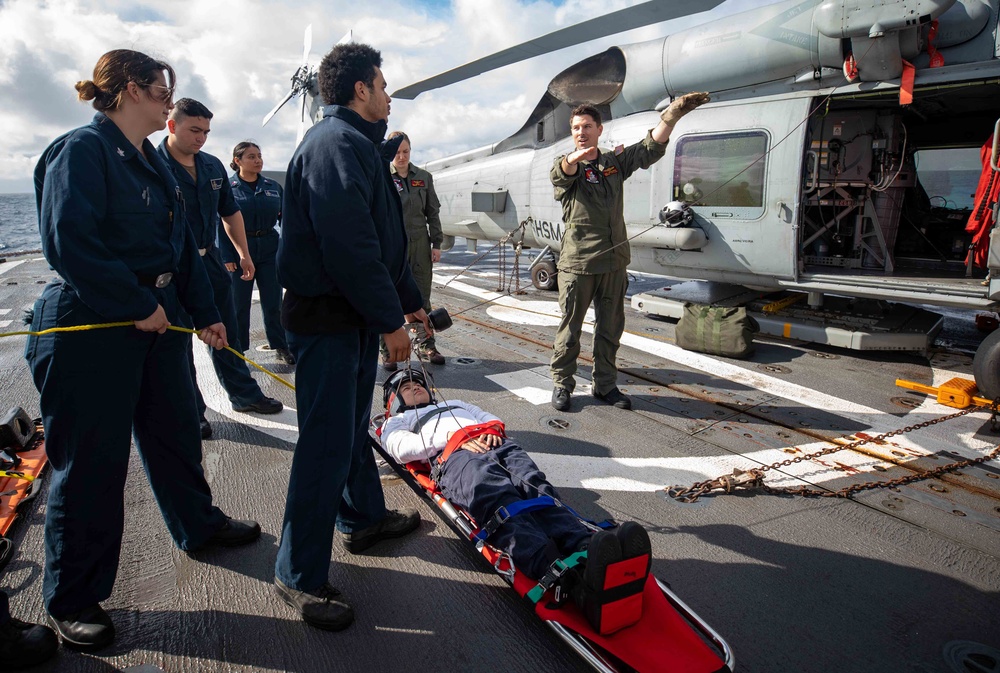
{"x":722,"y":170}
{"x":949,"y":176}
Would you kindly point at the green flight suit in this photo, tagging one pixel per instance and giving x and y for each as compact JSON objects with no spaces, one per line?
{"x":423,"y":229}
{"x":594,"y":258}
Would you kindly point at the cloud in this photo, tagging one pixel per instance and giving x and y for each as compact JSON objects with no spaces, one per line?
{"x":237,"y":57}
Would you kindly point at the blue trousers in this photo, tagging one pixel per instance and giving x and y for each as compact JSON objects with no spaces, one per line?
{"x":98,"y":388}
{"x":481,"y":483}
{"x":334,"y":482}
{"x":262,"y":251}
{"x":231,"y":371}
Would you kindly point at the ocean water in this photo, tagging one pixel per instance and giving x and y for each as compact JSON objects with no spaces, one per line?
{"x":18,"y":223}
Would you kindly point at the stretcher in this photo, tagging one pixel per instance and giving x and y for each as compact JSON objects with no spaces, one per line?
{"x":22,"y":461}
{"x":670,"y":636}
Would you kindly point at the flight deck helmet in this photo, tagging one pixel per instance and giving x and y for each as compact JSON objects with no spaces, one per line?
{"x":676,"y":214}
{"x":390,"y":389}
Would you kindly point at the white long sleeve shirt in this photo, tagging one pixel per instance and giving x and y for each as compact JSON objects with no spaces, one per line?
{"x":405,"y":445}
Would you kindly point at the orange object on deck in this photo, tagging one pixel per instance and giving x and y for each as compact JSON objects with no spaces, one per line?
{"x":15,"y":490}
{"x":957,"y":393}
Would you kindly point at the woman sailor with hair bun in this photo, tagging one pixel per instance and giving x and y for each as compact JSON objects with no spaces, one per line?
{"x":112,"y":226}
{"x":260,"y":202}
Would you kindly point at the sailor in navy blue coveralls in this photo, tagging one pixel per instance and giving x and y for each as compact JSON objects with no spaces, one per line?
{"x":343,"y":262}
{"x":261,"y":208}
{"x":204,"y":203}
{"x":112,"y":227}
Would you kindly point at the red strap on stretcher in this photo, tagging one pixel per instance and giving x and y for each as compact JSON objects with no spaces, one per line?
{"x":469,"y":433}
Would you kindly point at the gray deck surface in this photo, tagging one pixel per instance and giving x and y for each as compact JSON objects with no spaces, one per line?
{"x":887,"y":581}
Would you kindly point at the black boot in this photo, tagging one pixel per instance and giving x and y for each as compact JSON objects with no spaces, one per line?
{"x":23,"y":644}
{"x":90,"y":629}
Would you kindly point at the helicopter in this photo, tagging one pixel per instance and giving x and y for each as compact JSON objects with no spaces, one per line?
{"x":838,"y":157}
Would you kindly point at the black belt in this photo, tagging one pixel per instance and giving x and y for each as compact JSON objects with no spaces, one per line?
{"x":162,"y":280}
{"x":259,"y":233}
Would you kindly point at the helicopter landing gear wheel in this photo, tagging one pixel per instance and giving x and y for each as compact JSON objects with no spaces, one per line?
{"x":544,"y":275}
{"x":986,"y":366}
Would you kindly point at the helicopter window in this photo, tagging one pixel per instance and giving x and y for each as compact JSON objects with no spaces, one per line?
{"x":722,"y":170}
{"x":949,"y":176}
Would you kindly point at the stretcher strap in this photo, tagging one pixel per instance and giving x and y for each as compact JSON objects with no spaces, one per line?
{"x":556,"y":570}
{"x":505,"y":512}
{"x":429,"y":416}
{"x":469,"y":433}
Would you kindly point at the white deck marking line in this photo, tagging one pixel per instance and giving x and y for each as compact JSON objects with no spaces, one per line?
{"x":535,"y":385}
{"x":283,"y":425}
{"x":7,"y":266}
{"x":655,"y":474}
{"x":5,"y":323}
{"x":957,"y":435}
{"x":5,"y":311}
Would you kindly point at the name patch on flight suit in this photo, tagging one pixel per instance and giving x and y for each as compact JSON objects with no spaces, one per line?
{"x":610,"y":170}
{"x":417,"y":183}
{"x":216,"y":184}
{"x":399,"y":184}
{"x":590,"y":175}
{"x":270,"y":192}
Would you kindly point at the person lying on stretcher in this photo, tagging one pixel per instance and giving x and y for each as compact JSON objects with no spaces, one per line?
{"x":478,"y":468}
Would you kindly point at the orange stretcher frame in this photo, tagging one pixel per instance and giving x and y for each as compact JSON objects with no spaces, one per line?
{"x":670,"y":637}
{"x":15,"y":491}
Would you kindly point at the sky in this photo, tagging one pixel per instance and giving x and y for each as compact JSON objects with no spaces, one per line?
{"x":237,"y":57}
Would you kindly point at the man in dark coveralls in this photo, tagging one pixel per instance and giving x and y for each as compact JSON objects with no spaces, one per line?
{"x":207,"y":195}
{"x":595,"y":254}
{"x":343,"y":261}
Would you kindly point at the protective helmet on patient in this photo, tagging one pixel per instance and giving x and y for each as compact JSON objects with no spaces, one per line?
{"x":390,"y":389}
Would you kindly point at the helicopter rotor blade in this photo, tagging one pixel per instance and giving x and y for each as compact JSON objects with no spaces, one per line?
{"x":637,"y":16}
{"x":307,"y":43}
{"x":302,"y":123}
{"x":289,"y":96}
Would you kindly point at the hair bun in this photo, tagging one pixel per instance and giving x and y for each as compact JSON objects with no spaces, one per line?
{"x":87,"y":90}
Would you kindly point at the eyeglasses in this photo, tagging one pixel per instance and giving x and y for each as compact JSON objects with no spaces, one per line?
{"x":168,"y":91}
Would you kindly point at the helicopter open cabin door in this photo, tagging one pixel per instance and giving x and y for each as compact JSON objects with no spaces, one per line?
{"x":739,"y":167}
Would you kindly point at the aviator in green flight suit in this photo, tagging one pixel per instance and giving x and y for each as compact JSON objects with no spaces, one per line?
{"x":423,"y":229}
{"x":595,"y":252}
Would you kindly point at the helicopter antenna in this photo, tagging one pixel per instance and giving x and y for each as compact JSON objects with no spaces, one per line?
{"x":637,"y":16}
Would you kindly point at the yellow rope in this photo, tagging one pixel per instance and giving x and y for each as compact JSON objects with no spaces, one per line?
{"x":83,"y":328}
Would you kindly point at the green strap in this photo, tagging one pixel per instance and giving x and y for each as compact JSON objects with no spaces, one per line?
{"x":556,"y":570}
{"x":700,"y":332}
{"x":717,"y":330}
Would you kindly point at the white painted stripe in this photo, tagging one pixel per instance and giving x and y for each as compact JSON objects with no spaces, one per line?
{"x":7,"y":266}
{"x":5,"y":311}
{"x":5,"y":323}
{"x":283,"y":425}
{"x":654,"y":474}
{"x":535,"y":385}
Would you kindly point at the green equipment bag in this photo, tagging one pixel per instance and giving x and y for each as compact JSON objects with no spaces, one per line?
{"x":718,"y":330}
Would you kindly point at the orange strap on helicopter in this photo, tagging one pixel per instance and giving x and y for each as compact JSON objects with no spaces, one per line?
{"x":906,"y":83}
{"x":469,"y":433}
{"x":981,"y":219}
